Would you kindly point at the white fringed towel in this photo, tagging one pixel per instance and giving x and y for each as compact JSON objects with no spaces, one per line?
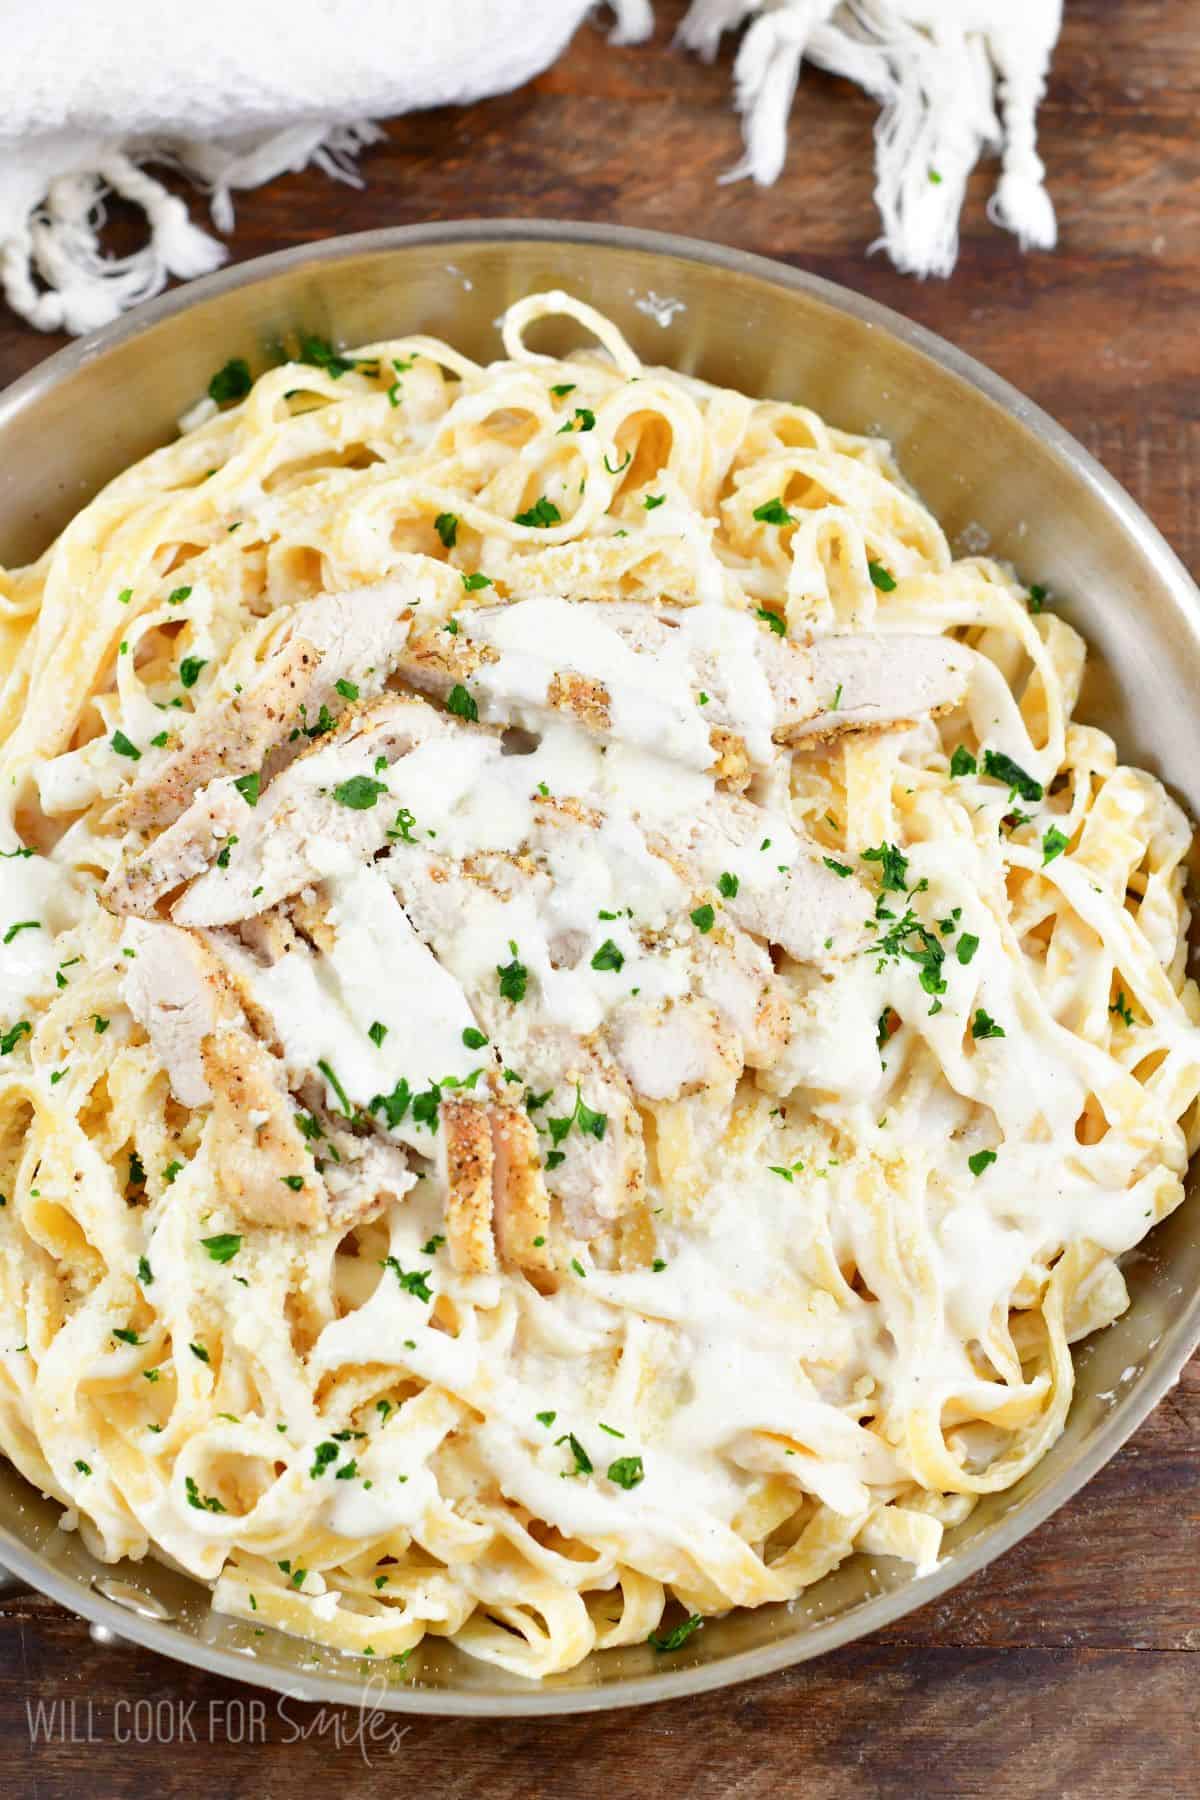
{"x":235,"y":92}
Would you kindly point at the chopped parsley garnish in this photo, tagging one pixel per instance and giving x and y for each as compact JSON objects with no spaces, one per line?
{"x":137,"y":1170}
{"x":677,"y":1636}
{"x":962,"y":762}
{"x":84,"y":1468}
{"x":907,"y":937}
{"x":9,"y":1039}
{"x":224,"y":853}
{"x":159,"y":739}
{"x":703,"y":918}
{"x":248,"y":787}
{"x":966,"y":947}
{"x":980,"y":1161}
{"x":342,"y":1097}
{"x":1053,"y":844}
{"x":1003,"y":768}
{"x":462,"y":704}
{"x":591,"y":1123}
{"x":653,"y":500}
{"x":1038,"y":596}
{"x":199,"y":1352}
{"x":126,"y":1335}
{"x":838,"y":868}
{"x":319,"y":353}
{"x":359,"y":793}
{"x":178,"y":595}
{"x":170,"y":1172}
{"x":542,"y":513}
{"x":347,"y":689}
{"x":984,"y":1026}
{"x":324,"y":722}
{"x":1121,"y":1008}
{"x":402,"y":826}
{"x":582,"y":419}
{"x":189,"y":669}
{"x":562,"y":388}
{"x":377,"y":1032}
{"x":773,"y":512}
{"x":546,"y":1418}
{"x":125,"y":596}
{"x":394,"y":1105}
{"x":22,"y":925}
{"x":123,"y":747}
{"x":583,"y":1462}
{"x":323,"y":1455}
{"x":472,"y":583}
{"x":778,"y":625}
{"x":446,"y":526}
{"x":473,"y":1038}
{"x":785,"y":1172}
{"x":880,"y":577}
{"x":728,"y":885}
{"x":620,"y":468}
{"x":145,"y":1273}
{"x":883,"y":1029}
{"x":514,"y":979}
{"x":433,"y":1244}
{"x":893,"y":867}
{"x":202,"y":1502}
{"x":627,"y":1471}
{"x":225,"y":1246}
{"x":233,"y":382}
{"x":609,"y":956}
{"x":413,"y":1281}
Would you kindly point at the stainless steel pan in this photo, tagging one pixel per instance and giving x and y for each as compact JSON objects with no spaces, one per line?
{"x":992,"y":467}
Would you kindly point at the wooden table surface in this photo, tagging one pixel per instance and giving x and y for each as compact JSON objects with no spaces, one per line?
{"x":1066,"y":1669}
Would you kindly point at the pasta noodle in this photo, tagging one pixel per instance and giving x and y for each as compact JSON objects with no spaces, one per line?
{"x":582,"y":1029}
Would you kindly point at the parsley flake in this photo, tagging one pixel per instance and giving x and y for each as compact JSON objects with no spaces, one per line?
{"x":359,"y":793}
{"x":542,"y":514}
{"x":609,"y":956}
{"x":984,"y":1026}
{"x":226,"y":1244}
{"x":462,"y":704}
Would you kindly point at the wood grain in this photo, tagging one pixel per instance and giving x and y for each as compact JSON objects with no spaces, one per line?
{"x":1066,"y":1669}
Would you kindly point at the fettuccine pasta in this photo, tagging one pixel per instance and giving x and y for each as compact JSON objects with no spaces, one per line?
{"x":581,"y":1029}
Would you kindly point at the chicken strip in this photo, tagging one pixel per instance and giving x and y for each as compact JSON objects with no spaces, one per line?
{"x":327,"y":651}
{"x":321,"y":813}
{"x":187,"y":999}
{"x":708,"y":686}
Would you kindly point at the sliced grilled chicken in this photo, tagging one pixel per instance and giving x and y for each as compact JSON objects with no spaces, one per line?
{"x":497,"y":1204}
{"x":187,"y":999}
{"x":708,"y":686}
{"x":326,"y":653}
{"x":296,"y":832}
{"x":307,"y":1004}
{"x":786,"y":893}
